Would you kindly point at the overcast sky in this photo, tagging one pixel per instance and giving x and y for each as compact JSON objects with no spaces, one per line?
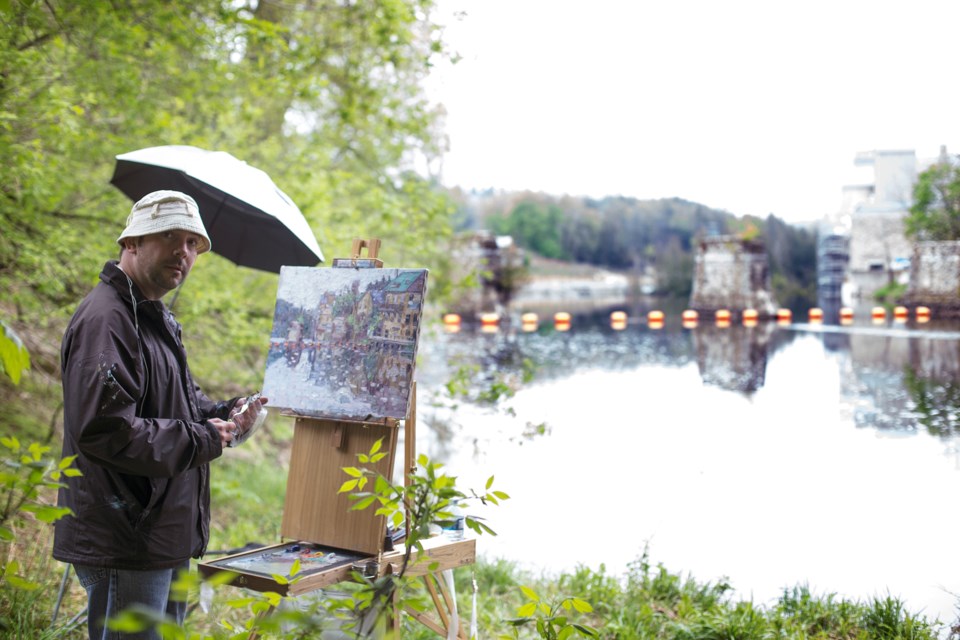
{"x":754,"y":107}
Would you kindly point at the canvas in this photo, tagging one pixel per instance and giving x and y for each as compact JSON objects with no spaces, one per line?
{"x":344,"y":342}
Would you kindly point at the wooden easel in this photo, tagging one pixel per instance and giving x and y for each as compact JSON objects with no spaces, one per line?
{"x":315,"y":513}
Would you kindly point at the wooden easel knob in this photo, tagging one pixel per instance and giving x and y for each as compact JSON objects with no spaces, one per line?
{"x":372,"y":245}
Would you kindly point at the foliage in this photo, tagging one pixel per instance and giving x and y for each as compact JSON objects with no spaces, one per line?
{"x":889,"y":293}
{"x":534,"y":226}
{"x":26,"y":473}
{"x":935,"y":214}
{"x":552,"y":621}
{"x":326,"y":97}
{"x":426,"y":500}
{"x":792,"y":254}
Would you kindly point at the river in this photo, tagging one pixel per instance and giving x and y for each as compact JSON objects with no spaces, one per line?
{"x":768,"y":457}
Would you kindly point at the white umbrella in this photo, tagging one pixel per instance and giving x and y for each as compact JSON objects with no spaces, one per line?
{"x":250,"y":221}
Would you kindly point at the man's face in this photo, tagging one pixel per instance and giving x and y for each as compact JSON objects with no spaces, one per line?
{"x":160,"y":262}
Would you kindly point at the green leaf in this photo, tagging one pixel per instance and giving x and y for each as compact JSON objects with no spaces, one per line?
{"x":347,"y":486}
{"x":363,"y":503}
{"x":14,"y":358}
{"x":527,"y":610}
{"x":582,"y":605}
{"x":529,"y":593}
{"x":48,"y":514}
{"x":586,"y":631}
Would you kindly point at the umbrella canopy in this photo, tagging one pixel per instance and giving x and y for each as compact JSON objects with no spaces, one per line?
{"x":250,"y":221}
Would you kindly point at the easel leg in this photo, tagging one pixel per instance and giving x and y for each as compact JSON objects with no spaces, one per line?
{"x":448,"y":599}
{"x":443,"y":602}
{"x":442,"y":608}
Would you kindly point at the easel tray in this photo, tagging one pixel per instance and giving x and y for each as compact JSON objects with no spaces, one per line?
{"x":322,"y":566}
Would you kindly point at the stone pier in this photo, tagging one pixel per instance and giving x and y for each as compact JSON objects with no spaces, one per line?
{"x":732,"y":273}
{"x":935,"y":277}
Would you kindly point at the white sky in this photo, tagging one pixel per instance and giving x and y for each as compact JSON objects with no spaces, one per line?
{"x":752,"y":106}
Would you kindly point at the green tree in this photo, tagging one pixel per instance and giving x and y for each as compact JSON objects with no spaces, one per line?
{"x":935,"y":214}
{"x":535,"y":226}
{"x":325,"y":96}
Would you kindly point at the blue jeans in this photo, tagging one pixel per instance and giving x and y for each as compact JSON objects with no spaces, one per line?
{"x":110,"y":591}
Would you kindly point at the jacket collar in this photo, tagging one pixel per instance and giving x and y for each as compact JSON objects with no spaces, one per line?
{"x":114,"y":276}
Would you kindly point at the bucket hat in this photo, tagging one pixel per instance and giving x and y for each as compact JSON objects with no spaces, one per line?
{"x":163,"y":211}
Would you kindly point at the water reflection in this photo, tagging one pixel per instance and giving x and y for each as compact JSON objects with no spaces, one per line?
{"x":733,"y":358}
{"x":820,"y":446}
{"x":894,"y":377}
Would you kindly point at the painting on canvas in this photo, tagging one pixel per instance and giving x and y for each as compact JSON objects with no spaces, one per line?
{"x":344,"y":342}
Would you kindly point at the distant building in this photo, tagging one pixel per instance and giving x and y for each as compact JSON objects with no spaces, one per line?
{"x":874,"y":215}
{"x":833,"y":260}
{"x":495,"y":267}
{"x":879,"y":249}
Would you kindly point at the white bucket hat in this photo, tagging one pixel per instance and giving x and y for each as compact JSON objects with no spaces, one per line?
{"x":162,"y":211}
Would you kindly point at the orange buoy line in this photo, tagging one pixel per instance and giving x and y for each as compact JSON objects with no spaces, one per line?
{"x":656,"y":318}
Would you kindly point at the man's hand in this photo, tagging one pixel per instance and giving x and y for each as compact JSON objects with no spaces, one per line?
{"x":225,"y":429}
{"x":240,"y":421}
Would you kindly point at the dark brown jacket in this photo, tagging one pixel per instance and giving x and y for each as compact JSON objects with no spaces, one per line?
{"x":137,"y":424}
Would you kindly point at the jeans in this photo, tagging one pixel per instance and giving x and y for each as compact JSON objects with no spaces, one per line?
{"x":110,"y":591}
